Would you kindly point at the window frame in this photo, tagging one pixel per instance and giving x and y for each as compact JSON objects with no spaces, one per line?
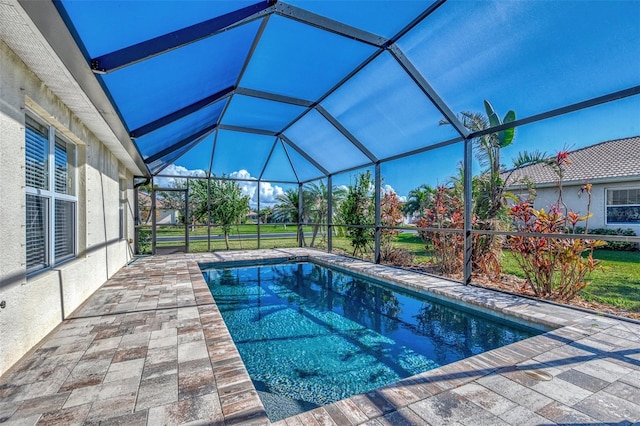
{"x":607,"y":205}
{"x":51,"y":196}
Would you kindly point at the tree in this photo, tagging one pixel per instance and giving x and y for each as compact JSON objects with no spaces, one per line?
{"x":227,"y":207}
{"x":265,"y":214}
{"x":418,"y":200}
{"x":489,"y":203}
{"x":358,"y":209}
{"x":315,"y":197}
{"x":287,"y":208}
{"x":391,"y":216}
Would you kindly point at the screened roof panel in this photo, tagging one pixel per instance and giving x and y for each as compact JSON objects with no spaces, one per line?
{"x":259,"y":113}
{"x":529,"y":56}
{"x":324,"y":143}
{"x":304,"y":169}
{"x":389,"y":115}
{"x":298,"y":60}
{"x":180,"y":130}
{"x":237,"y":151}
{"x":159,"y":164}
{"x":107,"y":26}
{"x":199,"y":157}
{"x":279,"y":167}
{"x":385,"y":18}
{"x":158,"y":86}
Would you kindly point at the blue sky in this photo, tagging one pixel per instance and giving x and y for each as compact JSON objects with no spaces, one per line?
{"x":529,"y":56}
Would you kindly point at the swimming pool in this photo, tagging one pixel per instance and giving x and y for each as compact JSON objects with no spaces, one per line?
{"x":310,"y":335}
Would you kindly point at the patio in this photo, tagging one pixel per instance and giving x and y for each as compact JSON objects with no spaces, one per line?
{"x":150,"y":347}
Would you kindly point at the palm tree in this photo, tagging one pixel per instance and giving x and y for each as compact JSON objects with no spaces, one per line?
{"x":489,"y":189}
{"x":315,"y":197}
{"x":418,"y":199}
{"x":287,"y":208}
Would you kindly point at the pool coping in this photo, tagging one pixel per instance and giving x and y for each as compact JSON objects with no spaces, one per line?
{"x":165,"y":300}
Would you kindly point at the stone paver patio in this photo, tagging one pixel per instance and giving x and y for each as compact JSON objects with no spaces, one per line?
{"x":150,"y":347}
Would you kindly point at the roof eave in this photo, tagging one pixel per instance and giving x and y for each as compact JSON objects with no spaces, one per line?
{"x":51,"y":44}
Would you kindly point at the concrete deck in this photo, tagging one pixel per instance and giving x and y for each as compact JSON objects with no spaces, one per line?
{"x":150,"y":347}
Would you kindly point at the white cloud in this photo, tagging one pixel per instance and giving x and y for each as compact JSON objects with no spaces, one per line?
{"x":388,"y":189}
{"x":267,"y":193}
{"x":173,"y":170}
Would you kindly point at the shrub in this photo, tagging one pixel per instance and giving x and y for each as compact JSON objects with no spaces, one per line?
{"x":396,"y":256}
{"x":446,"y":212}
{"x":555,"y":268}
{"x":144,"y":241}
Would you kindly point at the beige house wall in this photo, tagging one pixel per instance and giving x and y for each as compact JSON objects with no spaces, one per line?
{"x":36,"y":304}
{"x":548,"y":196}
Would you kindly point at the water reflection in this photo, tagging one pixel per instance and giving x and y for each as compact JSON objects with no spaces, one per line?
{"x":310,"y":334}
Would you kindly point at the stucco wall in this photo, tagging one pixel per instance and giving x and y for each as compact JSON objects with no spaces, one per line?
{"x":546,"y":197}
{"x":35,"y":305}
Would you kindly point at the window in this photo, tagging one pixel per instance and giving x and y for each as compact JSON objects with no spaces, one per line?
{"x":50,"y":169}
{"x":623,"y":206}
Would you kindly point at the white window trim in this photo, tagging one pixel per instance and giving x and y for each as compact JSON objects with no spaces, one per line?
{"x":52,"y":195}
{"x":607,"y":205}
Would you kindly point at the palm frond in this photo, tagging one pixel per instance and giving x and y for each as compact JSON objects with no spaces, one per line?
{"x":526,"y":158}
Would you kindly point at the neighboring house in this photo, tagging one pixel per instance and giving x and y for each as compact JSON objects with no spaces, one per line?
{"x":613,"y":170}
{"x":164,"y":215}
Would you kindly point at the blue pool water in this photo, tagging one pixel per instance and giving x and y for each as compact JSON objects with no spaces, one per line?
{"x":310,"y":335}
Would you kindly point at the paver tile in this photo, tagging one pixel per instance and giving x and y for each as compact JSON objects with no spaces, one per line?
{"x":157,"y":391}
{"x":624,"y":391}
{"x":485,"y":398}
{"x":564,"y":392}
{"x":403,"y":417}
{"x":583,"y":380}
{"x":124,"y":370}
{"x":449,"y":407}
{"x":205,"y":409}
{"x":521,"y":416}
{"x":66,"y":416}
{"x":515,"y":392}
{"x":603,"y":369}
{"x":562,"y":414}
{"x":609,"y":408}
{"x":104,"y":409}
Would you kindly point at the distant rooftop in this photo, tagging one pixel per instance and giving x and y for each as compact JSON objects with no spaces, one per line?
{"x":614,"y":159}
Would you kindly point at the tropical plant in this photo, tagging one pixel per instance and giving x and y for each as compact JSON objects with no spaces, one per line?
{"x":286,"y":209}
{"x":315,"y":196}
{"x":446,"y":212}
{"x":391,"y":216}
{"x":265,"y":214}
{"x":489,"y":194}
{"x":418,"y":200}
{"x":554,"y":268}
